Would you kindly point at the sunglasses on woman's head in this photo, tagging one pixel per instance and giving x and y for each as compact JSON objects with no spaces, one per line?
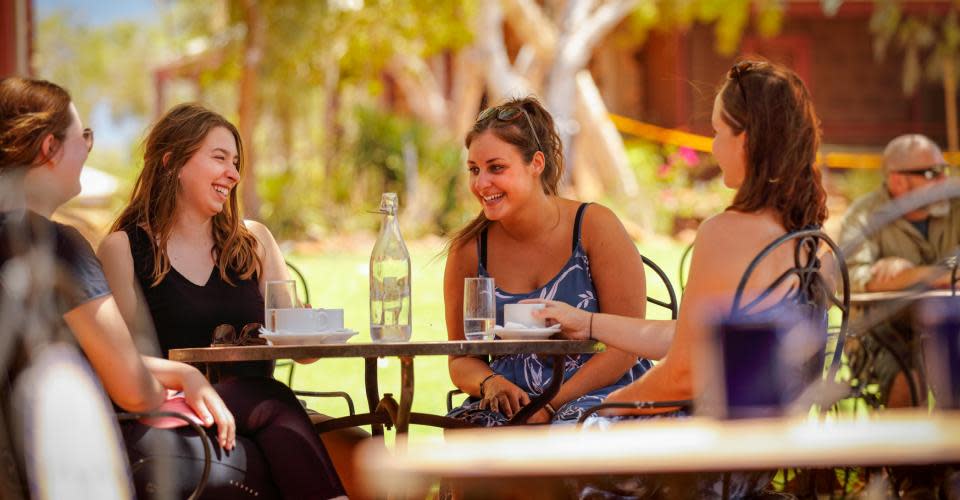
{"x":227,"y":335}
{"x":508,"y":114}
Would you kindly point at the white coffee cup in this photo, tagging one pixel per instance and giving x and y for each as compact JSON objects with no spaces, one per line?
{"x":522,"y":314}
{"x":309,"y":320}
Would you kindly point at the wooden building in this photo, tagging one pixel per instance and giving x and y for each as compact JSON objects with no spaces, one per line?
{"x":860,"y":100}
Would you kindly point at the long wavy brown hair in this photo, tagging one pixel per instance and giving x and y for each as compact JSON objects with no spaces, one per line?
{"x":172,"y":141}
{"x":772,"y":105}
{"x":517,"y":132}
{"x":30,"y":110}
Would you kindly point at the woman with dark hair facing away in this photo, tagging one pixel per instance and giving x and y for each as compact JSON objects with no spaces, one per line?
{"x":536,"y":244}
{"x":181,"y":252}
{"x":766,"y":140}
{"x":43,"y":146}
{"x":766,"y":137}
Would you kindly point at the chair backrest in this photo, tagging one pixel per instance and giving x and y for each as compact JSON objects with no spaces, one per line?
{"x":302,"y":281}
{"x":811,"y":290}
{"x":671,"y":304}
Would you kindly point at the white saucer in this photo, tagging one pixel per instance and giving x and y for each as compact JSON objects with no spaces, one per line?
{"x":525,"y":333}
{"x":307,"y":338}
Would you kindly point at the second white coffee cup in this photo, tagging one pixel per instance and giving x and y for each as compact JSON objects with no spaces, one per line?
{"x":522,"y":314}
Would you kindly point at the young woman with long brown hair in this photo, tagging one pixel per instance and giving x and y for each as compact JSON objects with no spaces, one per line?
{"x":181,"y":255}
{"x":766,"y":139}
{"x":536,"y":244}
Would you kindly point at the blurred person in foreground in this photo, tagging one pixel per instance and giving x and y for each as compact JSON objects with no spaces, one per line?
{"x":536,"y":244}
{"x":770,"y":159}
{"x":43,"y":146}
{"x":915,"y":249}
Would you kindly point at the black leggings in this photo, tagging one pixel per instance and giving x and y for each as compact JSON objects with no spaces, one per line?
{"x":278,"y":453}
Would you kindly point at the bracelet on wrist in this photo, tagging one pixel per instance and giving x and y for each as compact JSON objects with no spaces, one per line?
{"x":484,"y":381}
{"x":550,"y":409}
{"x":591,"y":326}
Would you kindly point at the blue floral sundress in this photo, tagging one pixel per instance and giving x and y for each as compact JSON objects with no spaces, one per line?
{"x":532,"y":373}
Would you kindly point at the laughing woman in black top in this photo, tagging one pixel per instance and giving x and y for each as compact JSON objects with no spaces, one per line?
{"x":181,"y":254}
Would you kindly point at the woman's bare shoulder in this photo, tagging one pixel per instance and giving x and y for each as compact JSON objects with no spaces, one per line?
{"x":117,"y":242}
{"x":730,"y":240}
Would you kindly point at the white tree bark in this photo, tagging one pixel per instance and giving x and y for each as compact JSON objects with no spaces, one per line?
{"x":601,"y":140}
{"x":582,"y":31}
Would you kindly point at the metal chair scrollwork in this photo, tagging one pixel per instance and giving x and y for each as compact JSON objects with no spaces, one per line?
{"x":809,"y":289}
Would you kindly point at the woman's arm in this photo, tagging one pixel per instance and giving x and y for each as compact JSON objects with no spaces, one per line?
{"x":117,"y":262}
{"x":199,"y":395}
{"x":646,"y":338}
{"x":104,"y":339}
{"x":274,"y":266}
{"x":618,"y":277}
{"x":466,"y":372}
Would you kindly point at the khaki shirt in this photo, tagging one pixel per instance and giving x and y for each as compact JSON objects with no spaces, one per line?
{"x":899,"y":239}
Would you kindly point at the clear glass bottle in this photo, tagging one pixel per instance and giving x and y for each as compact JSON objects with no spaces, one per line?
{"x":390,"y":314}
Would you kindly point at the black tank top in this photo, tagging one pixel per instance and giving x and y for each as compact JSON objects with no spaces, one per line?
{"x":185,"y":313}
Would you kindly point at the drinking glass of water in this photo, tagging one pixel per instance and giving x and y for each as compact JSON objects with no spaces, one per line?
{"x":479,"y":308}
{"x":280,"y":295}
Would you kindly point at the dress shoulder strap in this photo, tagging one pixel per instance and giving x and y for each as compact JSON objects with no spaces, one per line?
{"x":482,"y":248}
{"x":577,"y":225}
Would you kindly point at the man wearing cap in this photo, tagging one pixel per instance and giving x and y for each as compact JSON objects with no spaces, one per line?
{"x":910,"y":250}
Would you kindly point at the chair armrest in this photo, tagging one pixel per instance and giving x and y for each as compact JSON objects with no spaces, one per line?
{"x":329,"y":394}
{"x":450,"y":396}
{"x":684,"y":404}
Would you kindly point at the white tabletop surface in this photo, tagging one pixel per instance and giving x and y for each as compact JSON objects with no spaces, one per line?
{"x":666,"y":445}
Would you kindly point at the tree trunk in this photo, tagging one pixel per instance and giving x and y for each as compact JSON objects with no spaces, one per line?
{"x":247,"y":107}
{"x":600,"y":139}
{"x":467,"y":91}
{"x":950,"y":100}
{"x":567,"y":51}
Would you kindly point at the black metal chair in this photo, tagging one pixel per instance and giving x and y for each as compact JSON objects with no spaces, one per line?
{"x":810,"y":290}
{"x":671,"y":303}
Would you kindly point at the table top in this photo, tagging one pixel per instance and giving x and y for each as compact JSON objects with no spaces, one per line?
{"x":871,"y":297}
{"x":381,"y":349}
{"x":666,"y":445}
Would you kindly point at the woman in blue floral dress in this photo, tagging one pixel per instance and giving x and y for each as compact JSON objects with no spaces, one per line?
{"x":537,"y":245}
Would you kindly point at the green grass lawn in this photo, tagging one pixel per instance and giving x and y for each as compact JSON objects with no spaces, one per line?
{"x":339,"y":279}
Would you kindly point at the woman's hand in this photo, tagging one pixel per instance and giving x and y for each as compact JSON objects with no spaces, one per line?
{"x":203,"y":398}
{"x":574,"y":323}
{"x":499,"y":394}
